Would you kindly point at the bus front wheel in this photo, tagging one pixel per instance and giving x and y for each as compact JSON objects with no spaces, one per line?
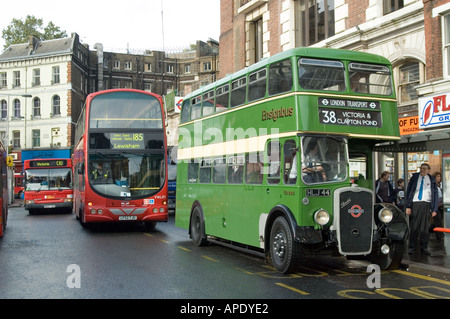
{"x":284,"y":251}
{"x":197,"y":228}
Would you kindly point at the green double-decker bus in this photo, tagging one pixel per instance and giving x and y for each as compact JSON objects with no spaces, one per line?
{"x":264,"y":158}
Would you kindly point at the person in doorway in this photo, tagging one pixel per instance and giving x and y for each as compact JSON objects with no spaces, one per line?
{"x":421,"y":203}
{"x":384,"y":191}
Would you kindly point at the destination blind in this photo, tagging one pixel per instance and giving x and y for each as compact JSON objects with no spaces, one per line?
{"x":48,"y":163}
{"x":350,"y":112}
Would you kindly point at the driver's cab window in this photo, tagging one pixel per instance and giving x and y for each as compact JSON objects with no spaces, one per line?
{"x":324,"y":159}
{"x":290,"y":162}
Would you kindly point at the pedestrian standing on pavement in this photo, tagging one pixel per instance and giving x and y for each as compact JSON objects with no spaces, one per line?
{"x":400,"y":193}
{"x":421,"y":204}
{"x":438,"y":220}
{"x":384,"y":191}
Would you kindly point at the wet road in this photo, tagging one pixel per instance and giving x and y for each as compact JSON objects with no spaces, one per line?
{"x":52,"y":256}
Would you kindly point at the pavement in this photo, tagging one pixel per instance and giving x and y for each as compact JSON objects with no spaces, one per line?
{"x":437,"y":261}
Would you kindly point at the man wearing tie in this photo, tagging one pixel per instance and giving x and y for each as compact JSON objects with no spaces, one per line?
{"x":421,"y":200}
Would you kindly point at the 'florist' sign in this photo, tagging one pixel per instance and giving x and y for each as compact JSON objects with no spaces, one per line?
{"x":434,"y":111}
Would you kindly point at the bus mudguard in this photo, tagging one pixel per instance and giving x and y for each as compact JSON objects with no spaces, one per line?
{"x":303,"y":234}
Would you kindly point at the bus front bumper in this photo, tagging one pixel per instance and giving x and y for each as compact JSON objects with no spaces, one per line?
{"x":31,"y":204}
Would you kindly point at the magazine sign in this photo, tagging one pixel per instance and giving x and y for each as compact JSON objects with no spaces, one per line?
{"x":434,"y":111}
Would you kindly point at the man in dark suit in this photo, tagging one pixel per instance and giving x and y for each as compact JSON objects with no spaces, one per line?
{"x":421,"y":199}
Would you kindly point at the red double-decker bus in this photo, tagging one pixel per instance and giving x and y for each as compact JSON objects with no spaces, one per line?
{"x":120,"y":159}
{"x":3,"y":190}
{"x":48,"y":184}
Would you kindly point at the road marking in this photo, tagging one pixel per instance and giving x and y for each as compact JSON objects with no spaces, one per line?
{"x":212,"y":259}
{"x":402,"y":272}
{"x":244,"y":271}
{"x":304,"y":293}
{"x":184,"y":248}
{"x":165,"y":241}
{"x":149,"y":235}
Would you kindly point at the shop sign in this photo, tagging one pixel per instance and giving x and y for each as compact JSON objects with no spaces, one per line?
{"x":434,"y":110}
{"x":408,"y":125}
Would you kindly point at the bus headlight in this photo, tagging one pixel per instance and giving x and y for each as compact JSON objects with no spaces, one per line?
{"x":321,"y":217}
{"x":385,"y":215}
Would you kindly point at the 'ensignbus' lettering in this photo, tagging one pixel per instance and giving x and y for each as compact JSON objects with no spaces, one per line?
{"x":276,"y":114}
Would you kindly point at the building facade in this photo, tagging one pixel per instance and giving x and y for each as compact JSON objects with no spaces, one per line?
{"x":43,"y":85}
{"x":412,"y":34}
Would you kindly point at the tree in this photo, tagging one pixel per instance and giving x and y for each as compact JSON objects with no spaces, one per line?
{"x":19,"y":31}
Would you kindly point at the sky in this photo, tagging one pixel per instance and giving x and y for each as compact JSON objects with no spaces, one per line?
{"x":118,"y":25}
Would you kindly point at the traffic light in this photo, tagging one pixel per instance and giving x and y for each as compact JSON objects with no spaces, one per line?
{"x":9,"y":161}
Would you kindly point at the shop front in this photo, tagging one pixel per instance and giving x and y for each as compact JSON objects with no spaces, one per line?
{"x":424,"y":139}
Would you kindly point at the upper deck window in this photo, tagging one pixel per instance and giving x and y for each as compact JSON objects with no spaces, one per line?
{"x":222,"y":95}
{"x":208,"y":103}
{"x":257,"y":85}
{"x":370,"y":78}
{"x":121,"y":110}
{"x":238,"y":90}
{"x":185,"y":111}
{"x":280,"y":77}
{"x":321,"y":75}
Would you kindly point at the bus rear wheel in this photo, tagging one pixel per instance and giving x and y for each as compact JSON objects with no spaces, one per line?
{"x":284,"y":251}
{"x":197,"y":228}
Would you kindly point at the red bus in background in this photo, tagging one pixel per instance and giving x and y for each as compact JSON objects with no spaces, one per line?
{"x":120,"y":164}
{"x":48,"y":184}
{"x":18,"y":185}
{"x":3,"y":190}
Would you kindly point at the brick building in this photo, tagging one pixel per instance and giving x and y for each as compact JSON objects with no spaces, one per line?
{"x":412,"y":34}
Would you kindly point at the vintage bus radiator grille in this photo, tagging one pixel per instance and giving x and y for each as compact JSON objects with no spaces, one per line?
{"x":354,"y":207}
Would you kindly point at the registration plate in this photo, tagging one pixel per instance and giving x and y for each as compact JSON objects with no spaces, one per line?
{"x":127,"y":217}
{"x":49,"y":206}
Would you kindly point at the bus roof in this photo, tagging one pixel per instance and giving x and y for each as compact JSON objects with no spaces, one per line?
{"x":319,"y":53}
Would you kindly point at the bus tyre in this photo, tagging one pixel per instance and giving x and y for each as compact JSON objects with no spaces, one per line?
{"x":197,"y":228}
{"x":284,"y":252}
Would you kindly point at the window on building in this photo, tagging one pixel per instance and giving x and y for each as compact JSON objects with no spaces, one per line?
{"x":446,"y":43}
{"x":36,"y":107}
{"x":392,"y":5}
{"x":4,"y":109}
{"x":16,"y":108}
{"x":187,"y":68}
{"x":3,"y":80}
{"x":116,"y":64}
{"x":207,"y":66}
{"x":55,"y":75}
{"x":16,"y":78}
{"x":56,"y":105}
{"x":256,"y":39}
{"x":36,"y":77}
{"x":128,"y":65}
{"x":169,"y":68}
{"x":148,"y":67}
{"x":409,"y":76}
{"x":16,"y":139}
{"x":36,"y":136}
{"x":314,"y":20}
